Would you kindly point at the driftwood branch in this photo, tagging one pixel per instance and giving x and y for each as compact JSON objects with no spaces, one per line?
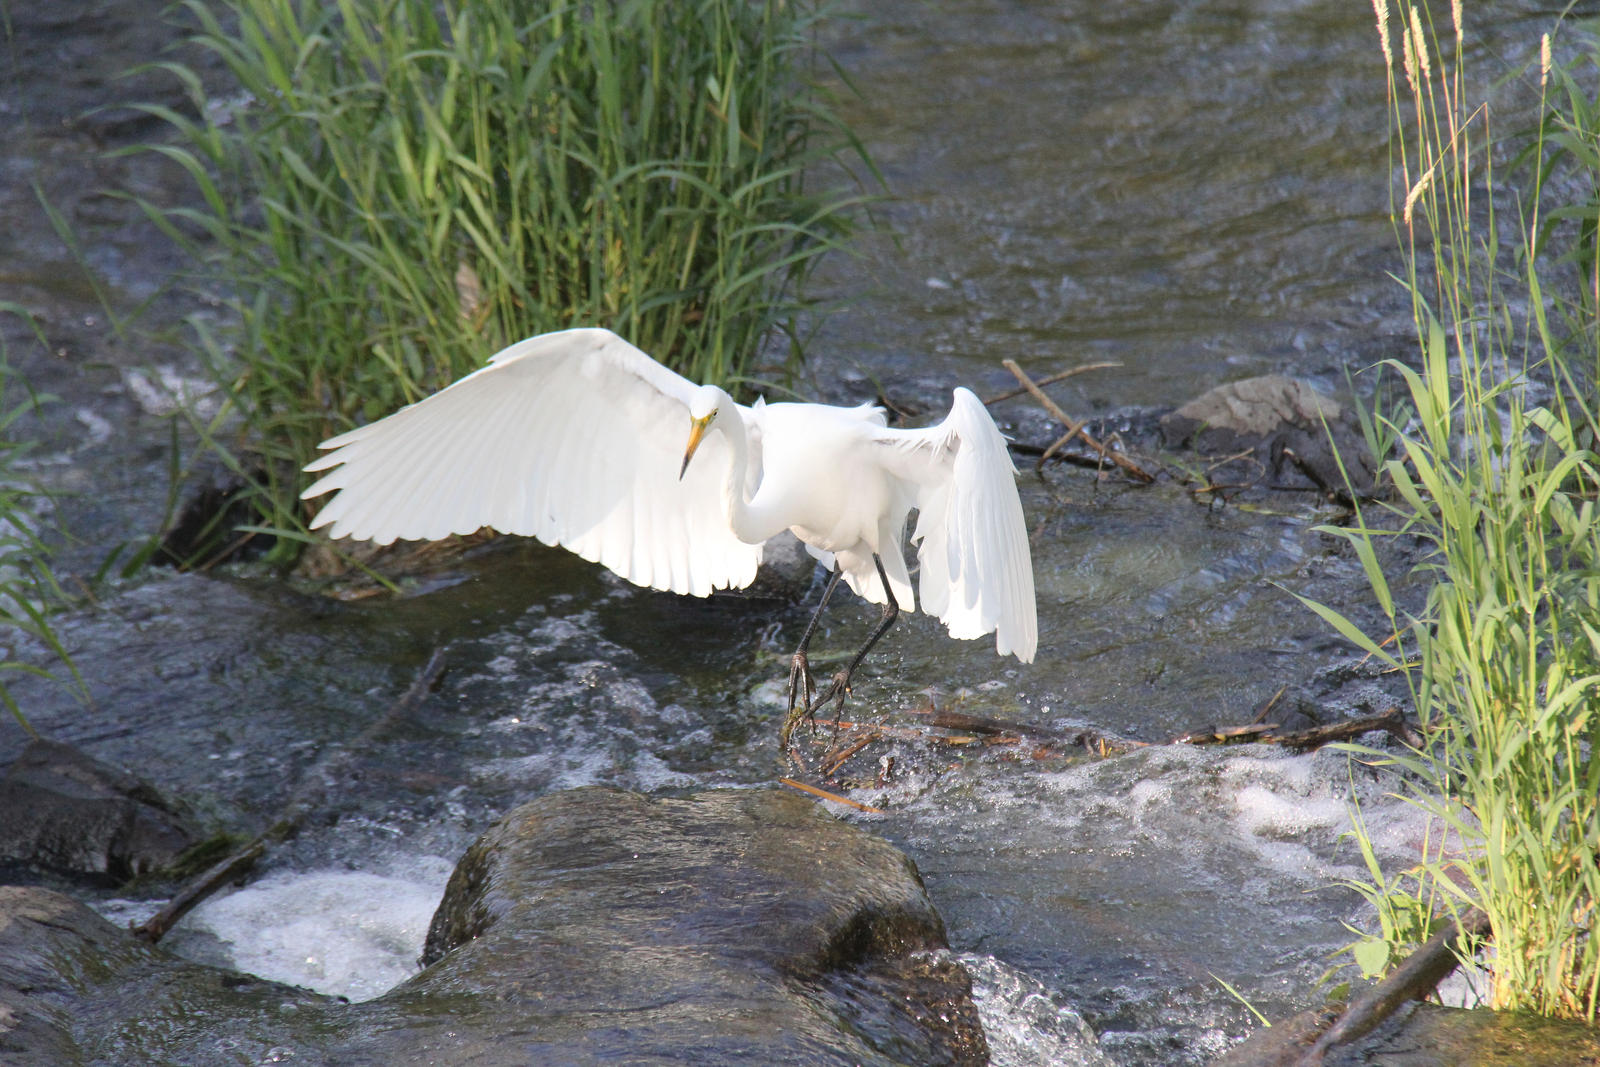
{"x":197,"y":889}
{"x":306,"y":798}
{"x":1051,"y":380}
{"x":1075,"y":427}
{"x":979,"y":724}
{"x":1047,"y":739}
{"x":1414,"y":979}
{"x":1392,"y":721}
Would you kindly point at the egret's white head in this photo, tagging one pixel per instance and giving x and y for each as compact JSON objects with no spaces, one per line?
{"x":703,"y":407}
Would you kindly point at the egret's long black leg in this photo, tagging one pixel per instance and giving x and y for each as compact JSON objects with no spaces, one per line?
{"x":800,"y":682}
{"x":801,"y":685}
{"x":840,"y":686}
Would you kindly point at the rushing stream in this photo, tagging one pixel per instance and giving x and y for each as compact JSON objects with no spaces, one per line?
{"x":1196,"y":191}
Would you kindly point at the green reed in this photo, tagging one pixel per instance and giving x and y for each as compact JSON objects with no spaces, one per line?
{"x":398,"y":188}
{"x":29,"y":592}
{"x":1495,"y":475}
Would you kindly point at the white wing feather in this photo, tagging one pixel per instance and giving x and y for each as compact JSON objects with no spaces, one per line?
{"x":575,"y":438}
{"x":975,"y":572}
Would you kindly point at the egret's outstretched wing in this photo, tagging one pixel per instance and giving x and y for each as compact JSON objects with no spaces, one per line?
{"x":575,"y":438}
{"x":976,"y":573}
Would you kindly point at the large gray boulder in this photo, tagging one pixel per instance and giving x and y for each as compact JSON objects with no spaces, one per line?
{"x":592,"y":926}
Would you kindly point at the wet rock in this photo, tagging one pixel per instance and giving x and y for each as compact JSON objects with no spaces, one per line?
{"x":801,"y":932}
{"x":76,"y":989}
{"x":1432,"y":1036}
{"x":592,"y":926}
{"x":62,"y":809}
{"x":1300,"y":437}
{"x":1248,"y":410}
{"x":1427,"y":1035}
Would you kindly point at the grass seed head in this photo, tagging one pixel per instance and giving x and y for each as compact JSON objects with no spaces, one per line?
{"x":1421,"y":46}
{"x":1381,"y":9}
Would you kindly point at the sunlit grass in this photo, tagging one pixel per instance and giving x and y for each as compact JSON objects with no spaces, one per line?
{"x":1495,"y":475}
{"x":395,"y":189}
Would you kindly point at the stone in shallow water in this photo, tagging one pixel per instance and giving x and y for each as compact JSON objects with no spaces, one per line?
{"x":1252,"y":408}
{"x":1302,"y":437}
{"x":735,"y":927}
{"x":76,"y":989}
{"x":63,"y":809}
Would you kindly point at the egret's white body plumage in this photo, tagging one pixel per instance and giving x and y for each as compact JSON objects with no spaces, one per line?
{"x":578,"y":438}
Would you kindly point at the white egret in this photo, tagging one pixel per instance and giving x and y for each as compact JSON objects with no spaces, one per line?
{"x":581,"y":440}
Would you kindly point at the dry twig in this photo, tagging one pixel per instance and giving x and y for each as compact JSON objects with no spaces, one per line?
{"x":834,"y":760}
{"x":1075,"y":427}
{"x":1051,"y":380}
{"x":825,"y":795}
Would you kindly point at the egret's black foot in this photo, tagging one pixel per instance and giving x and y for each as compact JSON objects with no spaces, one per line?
{"x":802,"y":687}
{"x":837,"y":690}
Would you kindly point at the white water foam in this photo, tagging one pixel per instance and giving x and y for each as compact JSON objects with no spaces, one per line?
{"x":342,"y":933}
{"x":1024,"y":1025}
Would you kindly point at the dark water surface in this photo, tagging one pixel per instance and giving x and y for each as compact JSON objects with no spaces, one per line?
{"x":1197,"y":191}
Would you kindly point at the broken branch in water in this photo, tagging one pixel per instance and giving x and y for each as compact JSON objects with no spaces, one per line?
{"x":1051,"y":380}
{"x":197,"y":889}
{"x":1414,"y":979}
{"x":956,"y":720}
{"x":825,"y":795}
{"x":1042,"y":742}
{"x":1075,"y":427}
{"x":1392,"y":721}
{"x":307,"y":795}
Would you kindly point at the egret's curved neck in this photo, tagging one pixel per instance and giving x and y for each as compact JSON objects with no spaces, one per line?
{"x":751,"y":522}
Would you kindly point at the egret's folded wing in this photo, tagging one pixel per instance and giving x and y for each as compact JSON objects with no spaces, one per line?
{"x":976,"y":574}
{"x":575,"y":438}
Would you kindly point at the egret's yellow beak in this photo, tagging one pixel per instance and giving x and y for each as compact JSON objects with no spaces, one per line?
{"x":697,"y":432}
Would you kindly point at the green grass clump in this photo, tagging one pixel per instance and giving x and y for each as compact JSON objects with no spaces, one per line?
{"x":399,"y":188}
{"x":1495,"y":474}
{"x":29,"y":592}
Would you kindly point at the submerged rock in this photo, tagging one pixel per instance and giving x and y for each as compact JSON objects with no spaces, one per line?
{"x":1304,"y":438}
{"x":63,"y":809}
{"x":1249,"y":410}
{"x":735,"y":927}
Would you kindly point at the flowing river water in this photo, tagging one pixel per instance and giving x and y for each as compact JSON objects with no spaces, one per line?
{"x":1197,"y":191}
